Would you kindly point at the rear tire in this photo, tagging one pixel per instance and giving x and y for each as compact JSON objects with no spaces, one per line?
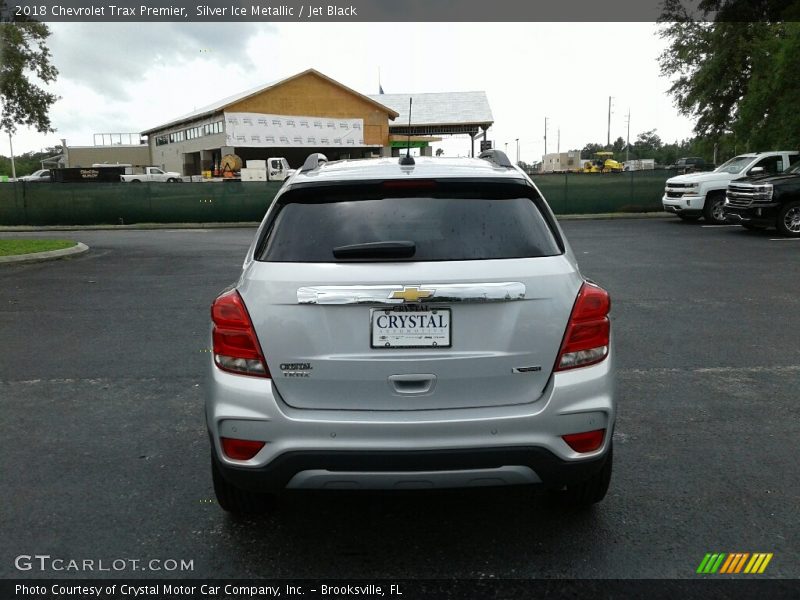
{"x":788,"y":222}
{"x":689,"y":218}
{"x":236,"y":500}
{"x":591,"y":491}
{"x":712,"y":210}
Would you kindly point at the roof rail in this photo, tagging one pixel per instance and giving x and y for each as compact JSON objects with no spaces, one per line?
{"x":497,"y":157}
{"x":313,"y":161}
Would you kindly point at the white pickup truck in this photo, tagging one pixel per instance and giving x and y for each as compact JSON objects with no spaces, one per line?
{"x":698,"y":195}
{"x":272,"y":169}
{"x":152,"y":174}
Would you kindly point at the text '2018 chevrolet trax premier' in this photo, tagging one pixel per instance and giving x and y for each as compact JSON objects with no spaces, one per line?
{"x":403,"y":326}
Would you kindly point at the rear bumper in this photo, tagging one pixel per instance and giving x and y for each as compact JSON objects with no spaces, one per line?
{"x":412,"y":469}
{"x":499,"y":445}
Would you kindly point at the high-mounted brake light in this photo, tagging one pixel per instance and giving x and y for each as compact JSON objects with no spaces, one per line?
{"x":586,"y":339}
{"x":413,"y":184}
{"x":236,"y":347}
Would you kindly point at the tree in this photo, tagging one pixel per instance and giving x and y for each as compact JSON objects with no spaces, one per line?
{"x":647,"y":144}
{"x":737,"y":73}
{"x":28,"y":162}
{"x":24,"y":54}
{"x":589,"y":149}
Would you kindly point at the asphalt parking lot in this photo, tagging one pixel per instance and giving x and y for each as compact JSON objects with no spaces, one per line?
{"x":105,"y":454}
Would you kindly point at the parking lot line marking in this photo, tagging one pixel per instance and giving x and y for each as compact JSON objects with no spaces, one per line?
{"x":719,"y":226}
{"x":776,"y":369}
{"x":784,"y":239}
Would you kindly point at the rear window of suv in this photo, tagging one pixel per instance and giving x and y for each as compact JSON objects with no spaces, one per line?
{"x":461,"y":225}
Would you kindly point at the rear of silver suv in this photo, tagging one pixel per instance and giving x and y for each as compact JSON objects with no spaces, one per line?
{"x":410,"y":326}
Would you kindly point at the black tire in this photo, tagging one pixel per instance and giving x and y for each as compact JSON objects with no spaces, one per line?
{"x":235,"y":500}
{"x":172,"y":180}
{"x":136,"y":181}
{"x":712,"y":210}
{"x":788,"y":222}
{"x":689,"y":218}
{"x":591,"y":491}
{"x":754,"y":227}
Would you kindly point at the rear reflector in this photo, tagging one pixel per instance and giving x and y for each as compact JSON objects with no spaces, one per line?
{"x":586,"y":339}
{"x":240,"y":449}
{"x":588,"y":441}
{"x":236,"y":347}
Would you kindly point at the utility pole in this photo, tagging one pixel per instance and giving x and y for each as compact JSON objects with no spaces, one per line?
{"x":517,"y":140}
{"x":545,"y":136}
{"x":628,"y":137}
{"x":558,"y":144}
{"x":13,"y":167}
{"x":608,"y":139}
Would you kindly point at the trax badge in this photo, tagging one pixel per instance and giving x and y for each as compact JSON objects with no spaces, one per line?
{"x":299,"y":369}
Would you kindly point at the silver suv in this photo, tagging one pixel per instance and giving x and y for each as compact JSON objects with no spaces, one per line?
{"x":404,"y":326}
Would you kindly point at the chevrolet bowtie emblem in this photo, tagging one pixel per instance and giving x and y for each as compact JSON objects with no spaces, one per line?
{"x":411,"y":294}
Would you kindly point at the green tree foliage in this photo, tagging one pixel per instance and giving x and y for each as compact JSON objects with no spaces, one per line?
{"x":648,"y":144}
{"x":589,"y":149}
{"x":24,"y":68}
{"x":736,"y":74}
{"x":27,"y":163}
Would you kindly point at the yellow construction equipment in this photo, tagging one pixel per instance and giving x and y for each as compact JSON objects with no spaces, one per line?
{"x":603,"y":163}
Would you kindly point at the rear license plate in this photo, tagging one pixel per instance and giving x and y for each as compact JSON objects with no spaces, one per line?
{"x":393,"y":328}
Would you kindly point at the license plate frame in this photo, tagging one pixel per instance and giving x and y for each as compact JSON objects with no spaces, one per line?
{"x":422,"y":338}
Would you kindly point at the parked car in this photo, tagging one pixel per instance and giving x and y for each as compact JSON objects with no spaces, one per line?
{"x":689,"y":164}
{"x":766,"y":200}
{"x":42,"y":175}
{"x":698,"y":195}
{"x":402,"y":326}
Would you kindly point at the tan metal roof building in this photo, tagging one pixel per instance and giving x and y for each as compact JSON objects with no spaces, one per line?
{"x":293,"y":117}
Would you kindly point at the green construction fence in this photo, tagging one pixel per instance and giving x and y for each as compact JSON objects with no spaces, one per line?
{"x":128,"y":203}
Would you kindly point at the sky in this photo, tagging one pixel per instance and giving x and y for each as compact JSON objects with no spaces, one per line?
{"x":129,"y":77}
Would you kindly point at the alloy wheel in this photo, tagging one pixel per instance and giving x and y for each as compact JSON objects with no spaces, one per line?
{"x":792,"y":219}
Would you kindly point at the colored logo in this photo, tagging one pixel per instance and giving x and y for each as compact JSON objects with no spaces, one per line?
{"x":736,"y":562}
{"x":411,"y":294}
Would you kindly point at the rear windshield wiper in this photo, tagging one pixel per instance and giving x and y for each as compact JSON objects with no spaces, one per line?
{"x":393,"y":249}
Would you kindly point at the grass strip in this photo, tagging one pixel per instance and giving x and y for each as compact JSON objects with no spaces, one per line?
{"x":14,"y":247}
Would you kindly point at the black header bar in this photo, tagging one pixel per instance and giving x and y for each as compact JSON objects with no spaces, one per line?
{"x":334,"y":10}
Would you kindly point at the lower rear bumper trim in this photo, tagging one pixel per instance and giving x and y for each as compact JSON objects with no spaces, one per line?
{"x":450,"y":468}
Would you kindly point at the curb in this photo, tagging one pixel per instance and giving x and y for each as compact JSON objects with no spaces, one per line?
{"x":254,"y":224}
{"x":78,"y":248}
{"x":611,"y":216}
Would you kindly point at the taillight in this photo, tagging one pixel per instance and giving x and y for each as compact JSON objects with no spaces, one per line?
{"x":240,"y":449}
{"x":236,"y":347}
{"x":586,"y":339}
{"x":587,"y":441}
